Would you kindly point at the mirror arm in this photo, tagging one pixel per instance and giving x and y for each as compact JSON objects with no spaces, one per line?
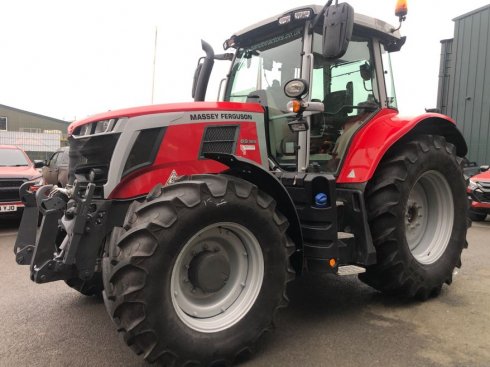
{"x":320,"y":15}
{"x":226,"y":57}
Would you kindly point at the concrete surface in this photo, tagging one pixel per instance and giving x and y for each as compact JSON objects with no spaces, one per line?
{"x":330,"y":321}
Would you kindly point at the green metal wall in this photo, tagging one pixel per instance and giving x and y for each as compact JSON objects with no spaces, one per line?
{"x":464,"y":81}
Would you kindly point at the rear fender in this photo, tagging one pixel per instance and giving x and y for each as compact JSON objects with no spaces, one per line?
{"x":373,"y":140}
{"x":267,"y":182}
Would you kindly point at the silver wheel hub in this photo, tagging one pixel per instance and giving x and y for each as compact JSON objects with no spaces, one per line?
{"x":429,"y":217}
{"x":217,"y":277}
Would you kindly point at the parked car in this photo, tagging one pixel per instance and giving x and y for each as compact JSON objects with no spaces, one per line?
{"x":15,"y":169}
{"x":479,"y":194}
{"x":55,"y":171}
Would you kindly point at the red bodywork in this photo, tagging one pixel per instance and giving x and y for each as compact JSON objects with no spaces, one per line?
{"x":374,"y":139}
{"x":172,"y":158}
{"x":366,"y":150}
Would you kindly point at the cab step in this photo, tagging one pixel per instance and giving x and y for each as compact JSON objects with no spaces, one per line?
{"x":350,"y":270}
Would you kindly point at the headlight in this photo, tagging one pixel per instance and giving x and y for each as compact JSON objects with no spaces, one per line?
{"x":296,"y":88}
{"x":472,"y":184}
{"x":38,"y":181}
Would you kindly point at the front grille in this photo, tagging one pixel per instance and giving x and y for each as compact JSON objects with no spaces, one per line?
{"x":9,"y":189}
{"x":91,"y":152}
{"x":485,"y":185}
{"x":219,"y":139}
{"x":482,"y":196}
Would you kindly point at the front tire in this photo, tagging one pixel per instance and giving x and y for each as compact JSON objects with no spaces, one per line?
{"x":200,"y":271}
{"x":417,"y":212}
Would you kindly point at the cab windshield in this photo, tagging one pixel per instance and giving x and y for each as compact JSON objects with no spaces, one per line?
{"x":258,"y":75}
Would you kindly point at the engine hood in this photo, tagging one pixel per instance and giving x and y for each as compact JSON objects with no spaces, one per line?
{"x":27,"y":172}
{"x":482,"y":177}
{"x":162,"y":108}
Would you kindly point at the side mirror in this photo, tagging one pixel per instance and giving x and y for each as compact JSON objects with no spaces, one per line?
{"x":366,"y":71}
{"x":39,"y":164}
{"x":338,"y":24}
{"x":484,"y":168}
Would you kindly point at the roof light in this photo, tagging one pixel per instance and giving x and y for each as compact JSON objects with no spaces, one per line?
{"x":285,"y":19}
{"x":229,"y":43}
{"x":302,"y":14}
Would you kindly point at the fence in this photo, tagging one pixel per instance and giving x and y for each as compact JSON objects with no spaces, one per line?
{"x":36,"y":145}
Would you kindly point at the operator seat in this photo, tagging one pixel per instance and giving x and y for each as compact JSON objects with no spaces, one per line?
{"x":338,"y":105}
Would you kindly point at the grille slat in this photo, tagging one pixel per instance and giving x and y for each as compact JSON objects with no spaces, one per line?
{"x":219,"y":139}
{"x":9,"y":189}
{"x":11,"y":183}
{"x":481,"y":196}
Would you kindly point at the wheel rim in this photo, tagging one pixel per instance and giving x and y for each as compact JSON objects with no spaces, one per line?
{"x":217,"y":277}
{"x":429,"y":217}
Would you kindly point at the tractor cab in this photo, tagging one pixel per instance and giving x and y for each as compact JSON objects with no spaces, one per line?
{"x":352,"y":83}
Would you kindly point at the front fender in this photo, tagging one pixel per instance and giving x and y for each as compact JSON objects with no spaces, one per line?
{"x":267,"y":182}
{"x":374,"y":139}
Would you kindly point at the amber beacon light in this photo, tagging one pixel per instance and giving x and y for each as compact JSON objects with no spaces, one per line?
{"x":401,"y":9}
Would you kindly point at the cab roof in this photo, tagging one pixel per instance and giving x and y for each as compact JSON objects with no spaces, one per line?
{"x":371,"y":26}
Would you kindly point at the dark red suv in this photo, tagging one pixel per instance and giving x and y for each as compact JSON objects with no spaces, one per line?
{"x":15,"y":169}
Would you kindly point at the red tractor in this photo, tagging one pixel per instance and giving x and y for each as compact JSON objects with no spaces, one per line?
{"x":191,"y":218}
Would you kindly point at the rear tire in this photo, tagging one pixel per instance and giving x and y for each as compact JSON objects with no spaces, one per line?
{"x":417,"y":209}
{"x":200,"y":271}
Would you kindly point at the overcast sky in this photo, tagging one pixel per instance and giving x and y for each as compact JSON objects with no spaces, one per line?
{"x":70,"y":59}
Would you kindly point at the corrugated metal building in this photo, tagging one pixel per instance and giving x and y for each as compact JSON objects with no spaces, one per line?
{"x":38,"y":135}
{"x":14,"y":119}
{"x":464,"y":81}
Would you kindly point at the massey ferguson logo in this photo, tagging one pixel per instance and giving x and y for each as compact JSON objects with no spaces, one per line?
{"x":220,"y":116}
